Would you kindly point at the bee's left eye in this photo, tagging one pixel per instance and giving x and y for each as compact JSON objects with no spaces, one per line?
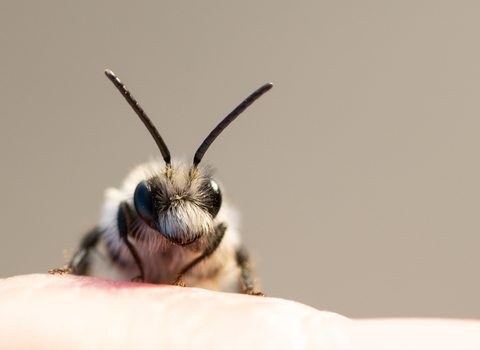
{"x":215,"y":198}
{"x":143,"y":203}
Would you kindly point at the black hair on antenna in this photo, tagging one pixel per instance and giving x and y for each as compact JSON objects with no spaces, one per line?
{"x":140,"y":112}
{"x":228,"y":119}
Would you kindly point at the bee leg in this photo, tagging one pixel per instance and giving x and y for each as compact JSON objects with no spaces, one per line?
{"x":243,"y":261}
{"x":78,"y":264}
{"x":124,"y":225}
{"x":219,"y":233}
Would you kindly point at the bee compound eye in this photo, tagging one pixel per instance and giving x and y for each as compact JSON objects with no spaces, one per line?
{"x":143,"y":203}
{"x":215,"y":198}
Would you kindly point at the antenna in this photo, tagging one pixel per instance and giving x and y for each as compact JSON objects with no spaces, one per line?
{"x":228,"y":119}
{"x":140,"y":112}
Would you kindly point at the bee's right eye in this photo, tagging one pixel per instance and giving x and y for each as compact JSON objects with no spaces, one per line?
{"x":143,"y":203}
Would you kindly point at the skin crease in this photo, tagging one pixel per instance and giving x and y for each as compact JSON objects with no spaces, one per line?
{"x":78,"y":312}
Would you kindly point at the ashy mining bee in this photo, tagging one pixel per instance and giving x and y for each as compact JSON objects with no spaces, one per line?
{"x":168,"y":223}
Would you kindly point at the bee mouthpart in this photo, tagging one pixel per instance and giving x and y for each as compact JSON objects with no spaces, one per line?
{"x":184,"y":224}
{"x":184,"y":239}
{"x":182,"y":242}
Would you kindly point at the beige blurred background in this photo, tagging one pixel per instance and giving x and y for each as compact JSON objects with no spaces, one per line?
{"x":357,"y":176}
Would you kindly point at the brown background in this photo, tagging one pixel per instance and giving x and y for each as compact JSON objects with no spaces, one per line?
{"x":356,"y":176}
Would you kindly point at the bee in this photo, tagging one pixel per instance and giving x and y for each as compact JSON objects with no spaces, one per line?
{"x":168,"y":223}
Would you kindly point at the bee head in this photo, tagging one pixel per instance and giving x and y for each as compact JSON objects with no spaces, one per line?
{"x":182,"y":202}
{"x":179,"y":205}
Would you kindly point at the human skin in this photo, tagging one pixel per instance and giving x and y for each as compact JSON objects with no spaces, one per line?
{"x":77,"y":312}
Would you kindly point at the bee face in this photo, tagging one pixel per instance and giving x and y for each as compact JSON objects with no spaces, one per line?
{"x":178,"y":203}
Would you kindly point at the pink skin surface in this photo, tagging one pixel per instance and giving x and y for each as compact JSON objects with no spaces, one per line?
{"x":72,"y":312}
